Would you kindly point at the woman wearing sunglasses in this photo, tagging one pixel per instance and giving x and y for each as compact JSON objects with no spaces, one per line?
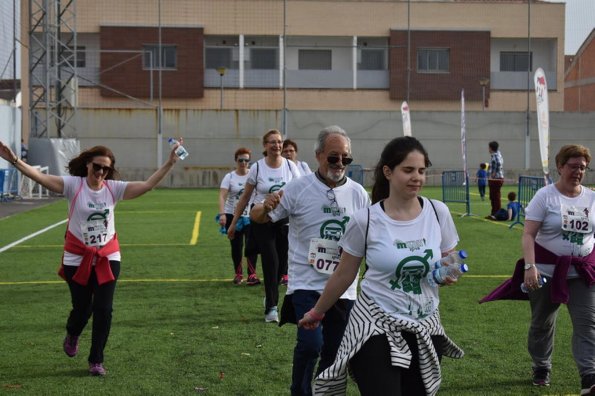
{"x":91,"y":259}
{"x":266,"y":176}
{"x":232,"y":187}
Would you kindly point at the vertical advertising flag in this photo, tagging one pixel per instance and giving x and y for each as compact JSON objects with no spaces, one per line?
{"x":406,"y":119}
{"x":463,"y":133}
{"x":543,"y":121}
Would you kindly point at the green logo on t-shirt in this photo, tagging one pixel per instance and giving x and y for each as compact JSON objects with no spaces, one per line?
{"x":333,"y":229}
{"x":410,"y":271}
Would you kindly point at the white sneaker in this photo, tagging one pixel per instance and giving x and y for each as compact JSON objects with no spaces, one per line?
{"x":272,"y":316}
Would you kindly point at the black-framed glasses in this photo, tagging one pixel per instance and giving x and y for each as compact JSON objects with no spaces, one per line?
{"x":279,"y":142}
{"x":246,"y":160}
{"x":102,"y":168}
{"x":333,"y":159}
{"x":335,"y":210}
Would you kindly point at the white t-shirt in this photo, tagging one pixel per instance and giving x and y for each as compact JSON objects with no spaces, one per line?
{"x":549,"y":206}
{"x":307,"y":204}
{"x":399,"y":256}
{"x":92,"y":218}
{"x":234,"y":184}
{"x":271,"y":179}
{"x":304,"y":168}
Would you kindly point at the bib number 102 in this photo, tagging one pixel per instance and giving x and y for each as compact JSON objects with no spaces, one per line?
{"x":579,"y":225}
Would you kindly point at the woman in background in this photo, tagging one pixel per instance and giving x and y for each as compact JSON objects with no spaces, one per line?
{"x":232,"y":187}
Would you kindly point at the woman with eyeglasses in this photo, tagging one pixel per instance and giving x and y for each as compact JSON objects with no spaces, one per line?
{"x":268,"y":175}
{"x":394,"y":340}
{"x":558,"y":243}
{"x":290,"y":151}
{"x":91,"y":259}
{"x":232,"y":187}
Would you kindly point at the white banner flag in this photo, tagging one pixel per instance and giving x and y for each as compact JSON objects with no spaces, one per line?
{"x":406,"y":119}
{"x":543,"y":121}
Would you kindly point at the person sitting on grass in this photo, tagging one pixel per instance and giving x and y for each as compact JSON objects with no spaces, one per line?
{"x":511,"y":211}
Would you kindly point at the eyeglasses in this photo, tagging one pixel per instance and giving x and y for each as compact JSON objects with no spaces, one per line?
{"x":333,"y":159}
{"x":279,"y":142}
{"x":246,"y":160}
{"x":335,"y":210}
{"x":574,"y":168}
{"x":98,"y":167}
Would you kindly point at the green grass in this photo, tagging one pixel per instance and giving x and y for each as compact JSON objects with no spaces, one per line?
{"x":181,"y":328}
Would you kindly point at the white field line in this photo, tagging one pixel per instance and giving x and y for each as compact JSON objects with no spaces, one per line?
{"x":5,"y":248}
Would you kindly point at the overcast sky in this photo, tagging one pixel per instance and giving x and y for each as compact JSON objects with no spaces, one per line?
{"x":580,"y":20}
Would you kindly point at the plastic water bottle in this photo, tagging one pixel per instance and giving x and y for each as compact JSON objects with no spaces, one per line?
{"x":438,"y":276}
{"x":541,"y":281}
{"x":454,"y":257}
{"x":180,"y":151}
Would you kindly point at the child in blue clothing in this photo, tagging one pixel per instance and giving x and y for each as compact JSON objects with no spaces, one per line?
{"x":482,"y":179}
{"x":513,"y":207}
{"x":511,"y":211}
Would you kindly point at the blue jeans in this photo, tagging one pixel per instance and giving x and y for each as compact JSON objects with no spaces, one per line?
{"x":324,"y":341}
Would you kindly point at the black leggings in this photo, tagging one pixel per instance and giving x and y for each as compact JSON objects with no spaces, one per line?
{"x":237,"y":245}
{"x":271,"y":239}
{"x":92,"y":300}
{"x":374,"y":374}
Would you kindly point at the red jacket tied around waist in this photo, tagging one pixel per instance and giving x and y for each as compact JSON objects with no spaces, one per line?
{"x":103,"y":270}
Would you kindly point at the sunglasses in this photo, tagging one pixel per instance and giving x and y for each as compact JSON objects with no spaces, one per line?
{"x":333,"y":159}
{"x":103,"y":169}
{"x":246,"y":160}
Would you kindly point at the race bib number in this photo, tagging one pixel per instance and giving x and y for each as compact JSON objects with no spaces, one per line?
{"x":576,"y":219}
{"x":95,"y":232}
{"x":324,"y":255}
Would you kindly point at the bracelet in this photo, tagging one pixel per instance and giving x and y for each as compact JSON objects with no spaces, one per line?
{"x":13,"y":163}
{"x":315,"y":315}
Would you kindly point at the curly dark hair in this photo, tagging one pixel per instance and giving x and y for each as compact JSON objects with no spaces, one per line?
{"x":78,"y":165}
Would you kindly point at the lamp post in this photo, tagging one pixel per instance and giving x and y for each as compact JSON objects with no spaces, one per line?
{"x":484,"y":83}
{"x":221,"y":71}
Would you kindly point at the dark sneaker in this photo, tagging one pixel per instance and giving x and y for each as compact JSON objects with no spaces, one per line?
{"x":541,"y":377}
{"x":588,"y":385}
{"x":284,"y":280}
{"x":238,"y":280}
{"x":71,"y":345}
{"x":97,"y":369}
{"x":253,"y":281}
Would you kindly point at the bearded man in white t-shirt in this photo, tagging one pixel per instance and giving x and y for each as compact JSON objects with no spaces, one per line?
{"x":319,"y":206}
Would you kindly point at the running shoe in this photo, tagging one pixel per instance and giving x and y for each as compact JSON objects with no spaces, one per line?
{"x":284,"y":280}
{"x":97,"y":369}
{"x":253,"y":280}
{"x":272,"y":316}
{"x":71,"y":345}
{"x":238,"y":279}
{"x":541,"y":377}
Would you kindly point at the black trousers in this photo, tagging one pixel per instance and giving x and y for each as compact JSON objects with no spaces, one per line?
{"x":92,"y":300}
{"x":237,"y":245}
{"x":271,"y":240}
{"x":374,"y":374}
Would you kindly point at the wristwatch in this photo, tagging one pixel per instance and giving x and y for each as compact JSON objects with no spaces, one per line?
{"x":529,"y":266}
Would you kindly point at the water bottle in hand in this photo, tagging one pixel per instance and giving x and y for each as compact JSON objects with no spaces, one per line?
{"x":180,"y":151}
{"x":438,"y":276}
{"x":454,"y":257}
{"x":541,"y":281}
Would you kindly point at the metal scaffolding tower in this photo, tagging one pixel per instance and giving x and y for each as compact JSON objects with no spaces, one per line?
{"x":52,"y":67}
